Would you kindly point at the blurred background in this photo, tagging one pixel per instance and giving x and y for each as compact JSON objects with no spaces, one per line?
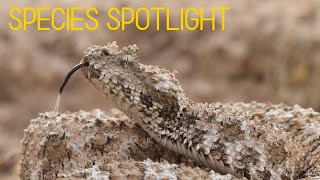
{"x":269,"y":52}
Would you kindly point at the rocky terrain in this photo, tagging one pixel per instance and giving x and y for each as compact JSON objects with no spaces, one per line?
{"x":93,"y":145}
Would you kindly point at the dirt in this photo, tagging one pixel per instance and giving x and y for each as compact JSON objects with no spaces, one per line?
{"x":269,"y":53}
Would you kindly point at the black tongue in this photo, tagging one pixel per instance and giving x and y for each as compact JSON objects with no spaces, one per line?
{"x":73,"y":70}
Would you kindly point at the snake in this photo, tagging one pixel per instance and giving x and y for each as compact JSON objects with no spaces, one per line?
{"x":218,"y":137}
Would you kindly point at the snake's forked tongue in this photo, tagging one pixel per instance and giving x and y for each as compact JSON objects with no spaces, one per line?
{"x":66,"y":79}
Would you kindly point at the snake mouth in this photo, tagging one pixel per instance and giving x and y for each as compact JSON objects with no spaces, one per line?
{"x":90,"y":72}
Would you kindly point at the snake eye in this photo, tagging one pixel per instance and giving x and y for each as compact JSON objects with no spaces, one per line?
{"x":126,"y":60}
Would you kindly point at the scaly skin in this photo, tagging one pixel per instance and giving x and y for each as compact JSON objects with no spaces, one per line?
{"x":213,"y":135}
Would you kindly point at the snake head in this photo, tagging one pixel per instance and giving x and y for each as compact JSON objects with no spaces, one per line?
{"x":113,"y":67}
{"x":119,"y":76}
{"x":104,"y":60}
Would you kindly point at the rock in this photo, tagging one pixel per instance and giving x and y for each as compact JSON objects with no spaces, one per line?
{"x":99,"y":145}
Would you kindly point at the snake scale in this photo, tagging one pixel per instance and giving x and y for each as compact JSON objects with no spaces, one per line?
{"x":226,"y":141}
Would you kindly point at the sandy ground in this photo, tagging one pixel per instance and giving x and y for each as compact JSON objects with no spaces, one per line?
{"x":269,"y":53}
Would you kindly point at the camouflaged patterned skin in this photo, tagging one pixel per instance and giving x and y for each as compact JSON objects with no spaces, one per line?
{"x":227,"y":141}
